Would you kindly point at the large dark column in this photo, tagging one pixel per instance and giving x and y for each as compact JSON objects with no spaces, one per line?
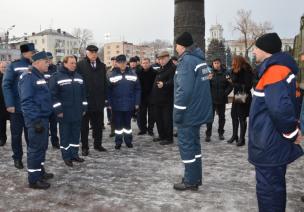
{"x":190,"y":16}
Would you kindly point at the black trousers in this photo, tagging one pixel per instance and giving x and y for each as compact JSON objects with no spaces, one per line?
{"x":145,"y":109}
{"x":3,"y":129}
{"x":96,"y":120}
{"x":220,"y":110}
{"x":164,"y":121}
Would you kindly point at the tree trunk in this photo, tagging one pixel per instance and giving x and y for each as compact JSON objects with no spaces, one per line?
{"x":190,"y":16}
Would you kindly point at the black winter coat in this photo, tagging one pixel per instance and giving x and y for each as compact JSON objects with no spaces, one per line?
{"x":220,"y":87}
{"x":164,"y":95}
{"x":146,"y":79}
{"x":243,"y":81}
{"x":95,"y":81}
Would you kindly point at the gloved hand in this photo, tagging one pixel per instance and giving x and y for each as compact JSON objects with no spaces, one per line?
{"x":39,"y":128}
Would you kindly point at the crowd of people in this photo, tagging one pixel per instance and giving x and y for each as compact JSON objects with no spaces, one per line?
{"x":181,"y":92}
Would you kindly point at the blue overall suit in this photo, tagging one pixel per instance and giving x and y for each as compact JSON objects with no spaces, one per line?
{"x":68,"y":96}
{"x":124,"y":95}
{"x":36,"y":106}
{"x":12,"y":99}
{"x":192,"y":108}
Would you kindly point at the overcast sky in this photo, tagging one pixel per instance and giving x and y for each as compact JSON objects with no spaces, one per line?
{"x":140,"y":20}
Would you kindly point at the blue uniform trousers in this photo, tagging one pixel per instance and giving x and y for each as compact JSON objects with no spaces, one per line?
{"x":36,"y":150}
{"x":271,"y":188}
{"x":53,"y":128}
{"x":122,"y":123}
{"x":190,"y":151}
{"x":17,"y":126}
{"x":69,"y":139}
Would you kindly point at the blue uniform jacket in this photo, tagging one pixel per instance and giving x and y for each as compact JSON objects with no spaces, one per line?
{"x":10,"y":82}
{"x":192,"y":95}
{"x":68,"y":94}
{"x":124,"y":90}
{"x":35,"y":97}
{"x":273,"y":119}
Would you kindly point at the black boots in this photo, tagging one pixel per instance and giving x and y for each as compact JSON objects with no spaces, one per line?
{"x":40,"y":184}
{"x":18,"y":164}
{"x":2,"y":142}
{"x":184,"y":186}
{"x":243,"y":126}
{"x":232,"y":139}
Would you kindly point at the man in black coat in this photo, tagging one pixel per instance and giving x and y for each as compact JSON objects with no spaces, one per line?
{"x":93,"y":72}
{"x":220,"y":89}
{"x":146,"y":78}
{"x":162,"y":99}
{"x":4,"y":115}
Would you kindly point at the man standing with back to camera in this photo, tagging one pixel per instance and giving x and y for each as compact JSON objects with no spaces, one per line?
{"x":192,"y":108}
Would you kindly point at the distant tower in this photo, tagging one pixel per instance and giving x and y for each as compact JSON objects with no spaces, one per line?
{"x":216,"y":32}
{"x":190,"y":16}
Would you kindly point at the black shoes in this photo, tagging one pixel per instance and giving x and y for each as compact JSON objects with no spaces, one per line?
{"x":129,"y":145}
{"x":78,"y":160}
{"x":151,"y":133}
{"x":157,"y":139}
{"x":85,"y":152}
{"x":56,"y":146}
{"x":47,"y":176}
{"x":100,"y":148}
{"x":166,"y":142}
{"x":232,"y":139}
{"x":141,"y":133}
{"x":240,"y":143}
{"x":2,"y":142}
{"x":302,"y":198}
{"x":207,"y":139}
{"x":117,"y":146}
{"x":184,"y":186}
{"x":221,"y":137}
{"x":18,"y":164}
{"x":40,"y":184}
{"x":68,"y":163}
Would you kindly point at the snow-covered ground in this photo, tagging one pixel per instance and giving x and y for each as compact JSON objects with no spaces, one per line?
{"x":141,"y":179}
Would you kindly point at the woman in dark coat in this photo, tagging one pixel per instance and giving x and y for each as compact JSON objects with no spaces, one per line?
{"x":242,"y":80}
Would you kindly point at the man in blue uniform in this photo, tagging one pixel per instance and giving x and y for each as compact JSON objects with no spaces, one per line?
{"x":69,"y":103}
{"x":192,"y":108}
{"x":124,"y":97}
{"x":36,"y":105}
{"x":53,"y":119}
{"x":273,"y":122}
{"x":12,"y":100}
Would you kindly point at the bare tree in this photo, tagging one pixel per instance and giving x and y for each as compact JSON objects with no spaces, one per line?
{"x":85,"y":36}
{"x":249,"y":29}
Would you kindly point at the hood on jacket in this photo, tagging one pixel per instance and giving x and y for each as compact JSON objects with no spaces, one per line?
{"x":196,"y":52}
{"x":280,"y":58}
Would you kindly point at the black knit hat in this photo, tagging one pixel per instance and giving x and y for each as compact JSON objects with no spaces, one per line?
{"x":270,"y":43}
{"x":185,"y":39}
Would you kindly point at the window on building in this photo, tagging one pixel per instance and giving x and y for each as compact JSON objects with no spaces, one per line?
{"x":117,"y":46}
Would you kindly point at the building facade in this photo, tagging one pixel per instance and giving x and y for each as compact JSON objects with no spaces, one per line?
{"x":129,"y":49}
{"x":58,"y":42}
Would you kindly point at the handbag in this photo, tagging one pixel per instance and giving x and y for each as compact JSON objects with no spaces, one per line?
{"x":241,"y":97}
